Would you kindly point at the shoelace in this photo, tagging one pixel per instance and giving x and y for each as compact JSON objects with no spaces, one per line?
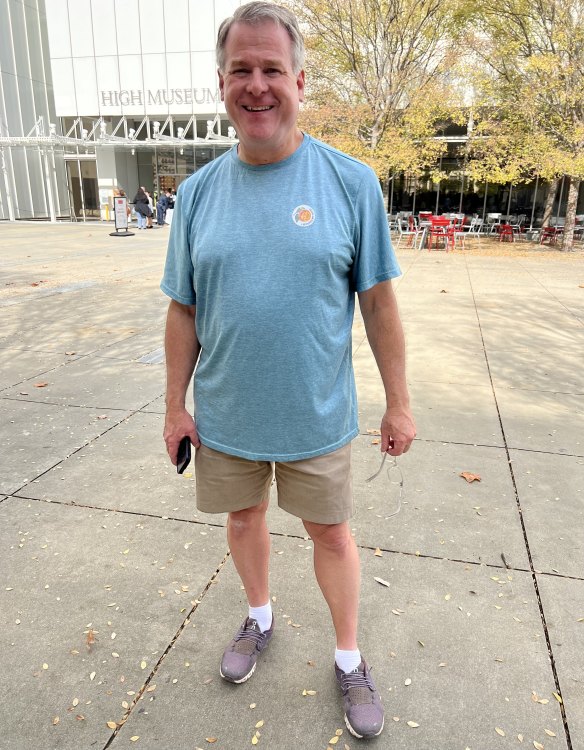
{"x":356,"y":679}
{"x":250,"y":634}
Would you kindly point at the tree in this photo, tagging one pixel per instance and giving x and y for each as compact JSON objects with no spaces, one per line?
{"x":375,"y":71}
{"x":533,"y":97}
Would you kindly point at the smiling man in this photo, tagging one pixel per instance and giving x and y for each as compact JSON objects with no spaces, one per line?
{"x":268,"y":247}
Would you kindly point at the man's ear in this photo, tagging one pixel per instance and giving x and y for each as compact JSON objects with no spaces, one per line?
{"x":221,"y":84}
{"x":300,"y":82}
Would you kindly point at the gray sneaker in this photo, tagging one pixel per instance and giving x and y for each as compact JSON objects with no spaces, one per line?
{"x":239,"y":658}
{"x":363,"y":707}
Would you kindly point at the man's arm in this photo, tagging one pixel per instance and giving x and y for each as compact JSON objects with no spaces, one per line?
{"x":182,"y":351}
{"x":385,"y":334}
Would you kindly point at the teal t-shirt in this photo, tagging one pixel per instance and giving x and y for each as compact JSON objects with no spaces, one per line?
{"x":272,"y":257}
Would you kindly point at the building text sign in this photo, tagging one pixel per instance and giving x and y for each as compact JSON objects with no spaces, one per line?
{"x":158,"y":97}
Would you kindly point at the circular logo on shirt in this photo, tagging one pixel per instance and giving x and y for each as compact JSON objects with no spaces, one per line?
{"x":303,"y":216}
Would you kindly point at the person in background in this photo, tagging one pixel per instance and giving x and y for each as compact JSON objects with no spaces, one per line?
{"x":161,"y":206}
{"x":141,"y":207}
{"x":269,"y":246}
{"x":150,"y":210}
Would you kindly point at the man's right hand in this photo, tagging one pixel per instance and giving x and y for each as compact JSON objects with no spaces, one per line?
{"x":177,"y":424}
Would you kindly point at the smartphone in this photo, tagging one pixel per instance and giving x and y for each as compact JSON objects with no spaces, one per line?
{"x":183,"y":457}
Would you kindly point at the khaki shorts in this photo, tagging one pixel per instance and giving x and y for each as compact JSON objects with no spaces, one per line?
{"x":317,"y":489}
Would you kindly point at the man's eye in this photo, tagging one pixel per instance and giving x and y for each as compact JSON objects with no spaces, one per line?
{"x":239,"y":72}
{"x":272,"y":72}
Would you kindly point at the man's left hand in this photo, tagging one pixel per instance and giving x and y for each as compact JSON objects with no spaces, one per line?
{"x":397,"y":431}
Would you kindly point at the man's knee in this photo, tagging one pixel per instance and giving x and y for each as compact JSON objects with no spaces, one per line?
{"x":241,"y":521}
{"x":335,"y":537}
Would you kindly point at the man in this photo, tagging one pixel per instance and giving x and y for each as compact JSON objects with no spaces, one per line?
{"x":268,"y":246}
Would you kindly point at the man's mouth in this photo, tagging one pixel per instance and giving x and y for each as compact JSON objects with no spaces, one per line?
{"x":258,"y":109}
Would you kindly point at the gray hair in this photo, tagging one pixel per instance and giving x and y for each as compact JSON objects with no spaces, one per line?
{"x":258,"y":12}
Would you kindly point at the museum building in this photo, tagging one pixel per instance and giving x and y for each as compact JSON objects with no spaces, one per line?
{"x":98,"y":96}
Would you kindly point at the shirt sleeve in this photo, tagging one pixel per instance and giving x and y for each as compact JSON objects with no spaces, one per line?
{"x":178,"y":279}
{"x":374,"y":259}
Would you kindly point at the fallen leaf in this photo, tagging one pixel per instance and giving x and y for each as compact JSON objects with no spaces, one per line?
{"x":92,"y":676}
{"x":252,"y":705}
{"x":520,"y":737}
{"x":142,"y":665}
{"x":537,"y":745}
{"x":339,"y":733}
{"x":112,"y":724}
{"x":254,"y":740}
{"x":469,"y":477}
{"x":135,"y":738}
{"x":45,"y":666}
{"x":56,"y":720}
{"x":75,"y":702}
{"x":558,"y":697}
{"x":90,"y":640}
{"x":375,"y":442}
{"x":382,"y":582}
{"x":40,"y":385}
{"x":210,"y":739}
{"x":408,"y":682}
{"x":334,"y":740}
{"x":378,"y":552}
{"x":412,"y":724}
{"x":260,"y":724}
{"x":374,"y":432}
{"x":500,"y":731}
{"x":70,"y":353}
{"x":550,"y":733}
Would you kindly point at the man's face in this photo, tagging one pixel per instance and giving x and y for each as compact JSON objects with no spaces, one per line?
{"x":261,"y":91}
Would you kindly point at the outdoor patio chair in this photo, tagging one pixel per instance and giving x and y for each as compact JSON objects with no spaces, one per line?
{"x":438,"y":232}
{"x":493,"y":221}
{"x":411,"y":234}
{"x":474,"y":228}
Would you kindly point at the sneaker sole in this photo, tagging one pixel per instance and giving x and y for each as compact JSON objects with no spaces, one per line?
{"x":360,"y":736}
{"x":238,"y":682}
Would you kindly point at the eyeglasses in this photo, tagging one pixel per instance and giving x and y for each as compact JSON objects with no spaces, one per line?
{"x":396,"y":481}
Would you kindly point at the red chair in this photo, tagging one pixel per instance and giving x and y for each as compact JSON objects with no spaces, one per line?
{"x":438,"y":232}
{"x":549,"y":235}
{"x":505,"y":233}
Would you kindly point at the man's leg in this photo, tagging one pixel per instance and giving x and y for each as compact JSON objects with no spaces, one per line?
{"x":249,"y":542}
{"x":337,"y":569}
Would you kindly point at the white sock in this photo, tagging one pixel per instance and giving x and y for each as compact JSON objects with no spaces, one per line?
{"x":347,"y":661}
{"x":262,"y":615}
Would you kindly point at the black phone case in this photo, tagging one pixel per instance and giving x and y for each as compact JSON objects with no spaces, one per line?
{"x":184,"y":454}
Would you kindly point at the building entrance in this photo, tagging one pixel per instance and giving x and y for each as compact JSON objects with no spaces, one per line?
{"x":83,"y":192}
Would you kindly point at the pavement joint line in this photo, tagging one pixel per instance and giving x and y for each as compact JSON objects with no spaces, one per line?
{"x":543,"y":286}
{"x":283,"y":535}
{"x":79,"y":448}
{"x":524,"y":529}
{"x":176,"y":636}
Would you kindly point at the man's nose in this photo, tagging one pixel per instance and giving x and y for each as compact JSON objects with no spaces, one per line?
{"x":257,"y":82}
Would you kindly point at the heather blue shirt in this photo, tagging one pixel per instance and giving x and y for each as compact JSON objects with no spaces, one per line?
{"x":272,"y":257}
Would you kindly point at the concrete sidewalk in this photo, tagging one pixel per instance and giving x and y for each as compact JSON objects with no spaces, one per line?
{"x":477,"y":641}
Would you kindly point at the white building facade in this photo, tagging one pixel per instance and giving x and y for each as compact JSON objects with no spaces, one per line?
{"x":128,"y":96}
